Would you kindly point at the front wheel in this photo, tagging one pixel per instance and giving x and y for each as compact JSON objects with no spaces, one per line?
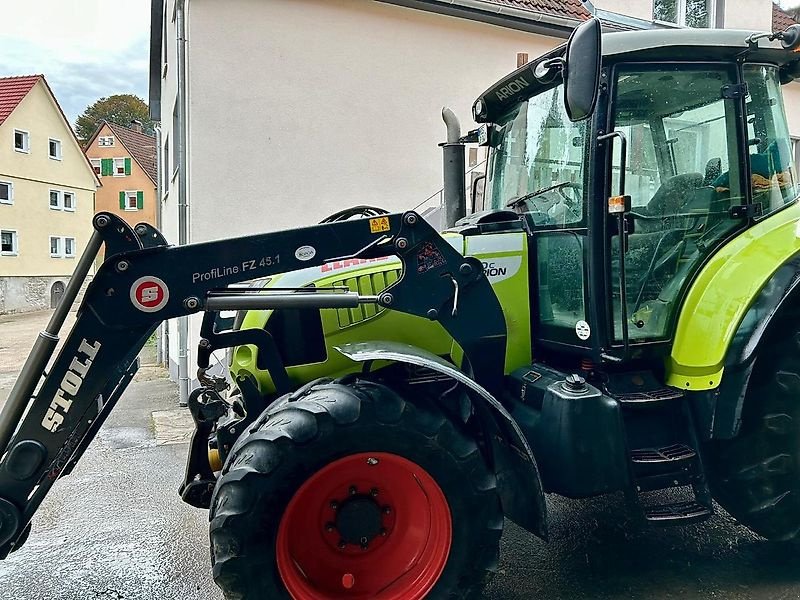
{"x":352,"y":493}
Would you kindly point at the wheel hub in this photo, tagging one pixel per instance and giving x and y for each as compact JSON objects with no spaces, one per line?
{"x":371,"y":526}
{"x":359,"y":520}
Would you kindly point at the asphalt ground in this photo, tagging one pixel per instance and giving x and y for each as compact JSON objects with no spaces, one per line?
{"x":116,"y":529}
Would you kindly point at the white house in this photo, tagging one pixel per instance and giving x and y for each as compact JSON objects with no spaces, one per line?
{"x":295,"y":109}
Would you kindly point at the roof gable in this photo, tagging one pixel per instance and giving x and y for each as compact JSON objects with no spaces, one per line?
{"x":13,"y":91}
{"x":142,"y":147}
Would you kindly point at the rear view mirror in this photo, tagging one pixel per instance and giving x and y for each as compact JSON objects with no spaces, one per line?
{"x":790,"y":37}
{"x":582,"y":66}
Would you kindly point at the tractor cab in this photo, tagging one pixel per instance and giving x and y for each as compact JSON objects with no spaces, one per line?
{"x":628,"y":188}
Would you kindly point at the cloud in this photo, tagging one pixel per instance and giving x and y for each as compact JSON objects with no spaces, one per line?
{"x":86,"y":53}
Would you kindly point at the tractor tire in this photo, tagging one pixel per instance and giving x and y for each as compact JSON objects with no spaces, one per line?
{"x":347,"y":491}
{"x":756,"y":475}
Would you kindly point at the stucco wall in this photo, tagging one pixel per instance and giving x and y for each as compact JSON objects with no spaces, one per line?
{"x":641,"y":9}
{"x":107,"y":197}
{"x":299,"y":108}
{"x":33,"y":176}
{"x":748,"y":14}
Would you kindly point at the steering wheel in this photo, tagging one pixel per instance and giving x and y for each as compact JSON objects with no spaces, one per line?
{"x":560,"y":187}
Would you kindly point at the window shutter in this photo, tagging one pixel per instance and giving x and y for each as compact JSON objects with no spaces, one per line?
{"x":122,"y":200}
{"x":140,"y":200}
{"x":127,"y":166}
{"x":106,"y":166}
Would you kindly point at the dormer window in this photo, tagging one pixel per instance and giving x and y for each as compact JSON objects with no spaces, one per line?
{"x":22,"y":141}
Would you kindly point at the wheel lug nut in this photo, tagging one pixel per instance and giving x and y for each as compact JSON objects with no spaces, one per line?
{"x":342,"y":545}
{"x":387,"y":510}
{"x":373,"y":492}
{"x":383,"y":533}
{"x":330,"y":527}
{"x":353,"y":490}
{"x":334,"y":505}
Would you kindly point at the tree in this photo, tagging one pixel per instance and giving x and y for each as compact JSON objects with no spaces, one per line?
{"x":120,"y":109}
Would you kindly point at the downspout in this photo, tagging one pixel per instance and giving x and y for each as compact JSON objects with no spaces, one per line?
{"x":159,"y":175}
{"x":183,"y":223}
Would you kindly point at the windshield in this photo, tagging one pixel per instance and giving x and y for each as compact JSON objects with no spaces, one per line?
{"x":537,"y":163}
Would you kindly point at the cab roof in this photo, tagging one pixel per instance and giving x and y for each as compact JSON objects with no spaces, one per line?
{"x":696,"y":45}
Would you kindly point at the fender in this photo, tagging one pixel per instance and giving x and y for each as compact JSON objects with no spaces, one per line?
{"x":518,"y":480}
{"x":781,"y":293}
{"x":721,"y":294}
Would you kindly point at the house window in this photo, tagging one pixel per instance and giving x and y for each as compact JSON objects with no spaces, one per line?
{"x":54,"y":149}
{"x":8,"y":242}
{"x":6,"y":192}
{"x":105,"y":140}
{"x":69,"y":247}
{"x":97,"y":165}
{"x":55,"y":200}
{"x":22,"y":141}
{"x":55,"y":246}
{"x":131,"y":200}
{"x":69,"y":201}
{"x":122,"y":167}
{"x":686,"y":13}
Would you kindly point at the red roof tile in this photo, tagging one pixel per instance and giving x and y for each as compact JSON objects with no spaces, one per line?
{"x":781,"y":19}
{"x":12,"y":91}
{"x":569,"y":9}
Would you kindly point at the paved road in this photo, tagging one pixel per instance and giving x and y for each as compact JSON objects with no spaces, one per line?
{"x":116,"y":529}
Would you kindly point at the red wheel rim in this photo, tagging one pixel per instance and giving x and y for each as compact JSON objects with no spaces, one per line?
{"x":371,"y":526}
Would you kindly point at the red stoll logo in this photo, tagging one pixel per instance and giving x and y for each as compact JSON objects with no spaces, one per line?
{"x":149,"y":294}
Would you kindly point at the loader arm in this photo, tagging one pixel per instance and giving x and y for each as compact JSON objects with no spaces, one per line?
{"x":144,"y":282}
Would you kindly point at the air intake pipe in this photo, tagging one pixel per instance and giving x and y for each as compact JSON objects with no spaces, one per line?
{"x":454,"y":190}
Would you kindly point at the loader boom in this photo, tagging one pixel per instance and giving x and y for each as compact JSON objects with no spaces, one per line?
{"x":144,"y":282}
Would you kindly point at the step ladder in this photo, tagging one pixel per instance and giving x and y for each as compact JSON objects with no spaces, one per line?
{"x":663,"y":451}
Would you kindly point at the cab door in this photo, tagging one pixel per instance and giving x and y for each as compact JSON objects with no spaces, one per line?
{"x":684,"y":173}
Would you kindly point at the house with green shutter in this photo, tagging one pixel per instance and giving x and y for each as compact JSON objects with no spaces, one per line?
{"x":124,"y":158}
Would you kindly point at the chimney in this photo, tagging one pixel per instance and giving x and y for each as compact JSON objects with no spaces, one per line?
{"x":136,"y":125}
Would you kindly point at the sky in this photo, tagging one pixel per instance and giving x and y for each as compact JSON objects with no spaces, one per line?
{"x":87,"y":49}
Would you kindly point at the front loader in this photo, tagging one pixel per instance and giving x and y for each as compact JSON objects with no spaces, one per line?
{"x":617,"y":312}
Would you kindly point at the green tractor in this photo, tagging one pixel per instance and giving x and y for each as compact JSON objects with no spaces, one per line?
{"x":617,"y":312}
{"x":639,"y":227}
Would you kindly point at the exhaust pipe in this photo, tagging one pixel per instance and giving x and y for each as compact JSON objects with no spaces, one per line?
{"x":454,"y":191}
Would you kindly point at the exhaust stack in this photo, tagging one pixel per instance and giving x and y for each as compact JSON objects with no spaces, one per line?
{"x":454,"y":190}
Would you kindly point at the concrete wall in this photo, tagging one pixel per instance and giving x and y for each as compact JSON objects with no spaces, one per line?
{"x":33,"y":175}
{"x":107,"y":197}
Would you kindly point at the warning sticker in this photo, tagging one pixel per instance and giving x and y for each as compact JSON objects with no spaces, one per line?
{"x":379,"y":224}
{"x":429,"y":257}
